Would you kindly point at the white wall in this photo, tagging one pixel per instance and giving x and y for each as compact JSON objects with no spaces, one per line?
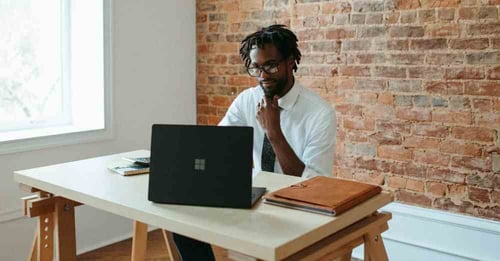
{"x":153,"y":82}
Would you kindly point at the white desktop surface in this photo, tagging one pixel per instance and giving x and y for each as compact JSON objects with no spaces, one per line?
{"x":265,"y":231}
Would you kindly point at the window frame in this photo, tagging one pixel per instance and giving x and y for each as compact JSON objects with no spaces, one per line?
{"x":53,"y":136}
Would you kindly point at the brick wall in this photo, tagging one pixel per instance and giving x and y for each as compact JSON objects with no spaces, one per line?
{"x":415,"y":83}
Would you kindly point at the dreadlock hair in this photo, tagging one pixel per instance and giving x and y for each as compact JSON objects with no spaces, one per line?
{"x":284,"y":40}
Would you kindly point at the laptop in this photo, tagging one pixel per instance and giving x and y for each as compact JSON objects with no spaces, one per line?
{"x":202,"y":165}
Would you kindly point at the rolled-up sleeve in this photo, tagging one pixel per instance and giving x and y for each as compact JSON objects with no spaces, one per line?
{"x":320,"y":147}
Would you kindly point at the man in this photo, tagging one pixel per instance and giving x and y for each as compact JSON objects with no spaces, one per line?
{"x":294,"y":129}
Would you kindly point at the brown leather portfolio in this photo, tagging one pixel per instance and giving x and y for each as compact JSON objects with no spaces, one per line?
{"x":324,"y":195}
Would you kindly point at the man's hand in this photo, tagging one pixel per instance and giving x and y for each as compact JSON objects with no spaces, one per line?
{"x":268,"y":115}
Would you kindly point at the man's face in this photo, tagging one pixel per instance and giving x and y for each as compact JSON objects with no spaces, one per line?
{"x":271,"y":83}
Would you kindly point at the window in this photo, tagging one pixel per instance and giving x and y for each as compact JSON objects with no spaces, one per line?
{"x":54,"y":72}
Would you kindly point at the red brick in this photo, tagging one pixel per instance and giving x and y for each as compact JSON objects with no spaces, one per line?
{"x":495,"y":43}
{"x":455,"y":147}
{"x":379,"y":112}
{"x":489,"y":120}
{"x":489,"y":212}
{"x":413,"y":114}
{"x":471,"y":163}
{"x":468,"y":13}
{"x":202,"y":119}
{"x":406,"y":59}
{"x":376,"y":178}
{"x":464,"y":118}
{"x":372,"y":164}
{"x":483,"y":58}
{"x":479,"y":195}
{"x":354,"y":71}
{"x":345,"y":173}
{"x":202,"y":99}
{"x":394,"y":152}
{"x":214,"y":120}
{"x":464,"y":73}
{"x":251,"y":4}
{"x":436,"y":189}
{"x":426,"y":72}
{"x":359,"y":124}
{"x":414,"y":170}
{"x":370,"y":85}
{"x":386,"y":99}
{"x":479,"y":179}
{"x":445,"y":59}
{"x":413,"y":198}
{"x":489,"y":12}
{"x":494,"y":73}
{"x":349,"y":109}
{"x":439,"y":3}
{"x":428,"y":44}
{"x":421,"y":143}
{"x":408,"y":17}
{"x":206,"y":110}
{"x":406,"y":31}
{"x":340,"y":33}
{"x":496,"y":104}
{"x":432,"y":158}
{"x":386,"y":138}
{"x":482,"y":105}
{"x":398,"y":45}
{"x":396,"y":182}
{"x":356,"y":136}
{"x":448,"y":204}
{"x":456,"y":191}
{"x":445,"y":175}
{"x":475,"y":44}
{"x":336,"y":7}
{"x":307,"y":10}
{"x":406,"y":4}
{"x":241,"y":81}
{"x":495,"y":197}
{"x":439,"y":30}
{"x":437,"y":131}
{"x":390,"y":126}
{"x":445,"y":88}
{"x":446,"y":14}
{"x":224,"y":101}
{"x":484,"y":29}
{"x":201,"y":7}
{"x":391,"y":18}
{"x":473,"y":133}
{"x":415,"y":185}
{"x":389,"y":72}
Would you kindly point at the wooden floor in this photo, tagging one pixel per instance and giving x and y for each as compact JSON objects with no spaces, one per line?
{"x":156,"y":250}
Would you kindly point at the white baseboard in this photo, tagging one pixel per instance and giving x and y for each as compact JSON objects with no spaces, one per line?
{"x":9,"y":215}
{"x":426,"y":234}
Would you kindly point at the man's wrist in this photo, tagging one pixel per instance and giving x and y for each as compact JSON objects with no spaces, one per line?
{"x":275,"y":136}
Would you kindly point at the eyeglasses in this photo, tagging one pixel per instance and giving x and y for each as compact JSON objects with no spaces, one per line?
{"x":270,"y":68}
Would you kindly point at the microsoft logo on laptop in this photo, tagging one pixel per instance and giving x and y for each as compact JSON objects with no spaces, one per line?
{"x":199,"y":164}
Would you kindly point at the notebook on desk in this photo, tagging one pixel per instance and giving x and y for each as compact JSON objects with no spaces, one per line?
{"x":202,"y":165}
{"x":323,"y":195}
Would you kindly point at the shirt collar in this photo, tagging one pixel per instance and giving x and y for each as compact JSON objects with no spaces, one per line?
{"x":286,"y":102}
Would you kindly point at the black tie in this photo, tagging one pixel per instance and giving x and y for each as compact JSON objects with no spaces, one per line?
{"x":268,"y":156}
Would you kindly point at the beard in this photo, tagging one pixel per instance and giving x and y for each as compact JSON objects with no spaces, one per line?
{"x":277,"y":89}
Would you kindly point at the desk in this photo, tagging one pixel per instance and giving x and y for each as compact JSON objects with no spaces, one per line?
{"x":265,"y":232}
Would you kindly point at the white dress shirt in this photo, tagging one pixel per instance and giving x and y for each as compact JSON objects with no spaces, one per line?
{"x":307,"y":121}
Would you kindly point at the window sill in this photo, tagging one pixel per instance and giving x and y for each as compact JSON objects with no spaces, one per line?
{"x":50,"y":137}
